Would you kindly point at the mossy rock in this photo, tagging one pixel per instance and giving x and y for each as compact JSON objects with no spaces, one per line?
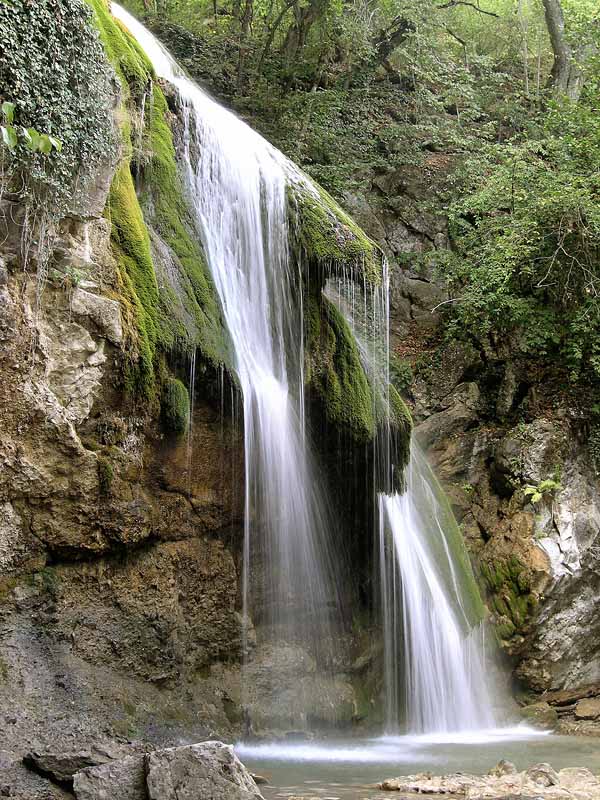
{"x":335,"y":373}
{"x":328,"y":237}
{"x":508,"y":583}
{"x":158,"y":316}
{"x":106,"y":474}
{"x":175,"y":406}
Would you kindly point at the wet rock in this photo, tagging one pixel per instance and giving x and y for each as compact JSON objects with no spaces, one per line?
{"x":540,"y":715}
{"x":210,"y":771}
{"x":124,"y":779}
{"x":588,"y":709}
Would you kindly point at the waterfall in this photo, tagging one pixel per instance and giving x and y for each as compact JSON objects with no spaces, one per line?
{"x":434,"y":649}
{"x":237,"y":186}
{"x":430,"y":622}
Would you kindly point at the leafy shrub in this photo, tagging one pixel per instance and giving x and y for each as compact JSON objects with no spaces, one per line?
{"x":54,"y":74}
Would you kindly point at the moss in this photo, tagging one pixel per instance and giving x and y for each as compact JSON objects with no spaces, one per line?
{"x":123,"y":51}
{"x":168,"y":210}
{"x":335,"y":372}
{"x":401,"y":425}
{"x":175,"y":406}
{"x":131,"y":246}
{"x":106,"y":474}
{"x":508,"y":582}
{"x":329,"y":237}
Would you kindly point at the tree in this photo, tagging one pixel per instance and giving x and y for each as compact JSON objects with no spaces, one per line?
{"x":568,"y":70}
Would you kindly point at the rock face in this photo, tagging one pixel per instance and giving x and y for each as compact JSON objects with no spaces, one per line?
{"x":118,"y":578}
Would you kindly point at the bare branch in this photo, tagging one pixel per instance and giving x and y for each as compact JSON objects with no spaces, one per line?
{"x":475,"y":6}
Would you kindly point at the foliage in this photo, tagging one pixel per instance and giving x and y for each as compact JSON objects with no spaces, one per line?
{"x":56,"y":90}
{"x":527,"y":237}
{"x":550,"y":486}
{"x":175,"y":406}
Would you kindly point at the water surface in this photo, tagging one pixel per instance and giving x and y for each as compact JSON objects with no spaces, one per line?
{"x":350,"y":769}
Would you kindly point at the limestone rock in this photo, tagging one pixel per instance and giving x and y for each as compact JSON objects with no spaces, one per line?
{"x":104,"y":312}
{"x":210,"y":771}
{"x":588,"y":709}
{"x":124,"y":779}
{"x":540,"y":782}
{"x":543,"y":774}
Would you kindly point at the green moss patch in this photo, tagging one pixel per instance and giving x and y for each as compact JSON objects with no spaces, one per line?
{"x":329,"y":237}
{"x":175,"y":406}
{"x":190,"y":314}
{"x":335,"y":372}
{"x":511,"y":598}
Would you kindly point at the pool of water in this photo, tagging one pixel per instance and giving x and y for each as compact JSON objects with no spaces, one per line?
{"x":350,"y":769}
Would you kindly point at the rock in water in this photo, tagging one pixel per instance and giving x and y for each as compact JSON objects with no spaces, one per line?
{"x":124,"y":779}
{"x":503,"y":767}
{"x":209,"y":770}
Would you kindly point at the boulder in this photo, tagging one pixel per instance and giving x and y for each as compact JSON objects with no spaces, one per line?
{"x":124,"y":779}
{"x":543,"y":775}
{"x":209,"y":770}
{"x":503,"y":767}
{"x":588,"y":709}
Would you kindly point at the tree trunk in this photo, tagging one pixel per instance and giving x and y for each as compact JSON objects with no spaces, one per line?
{"x":566,"y":78}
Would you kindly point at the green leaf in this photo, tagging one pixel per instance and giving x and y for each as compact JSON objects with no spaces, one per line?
{"x":44,"y":144}
{"x":8,"y":111}
{"x":34,"y":137}
{"x":56,"y":143}
{"x":9,"y":136}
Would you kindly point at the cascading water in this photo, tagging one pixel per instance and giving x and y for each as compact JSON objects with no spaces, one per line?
{"x":237,"y":186}
{"x":434,"y":673}
{"x":433,"y":657}
{"x":430,"y":622}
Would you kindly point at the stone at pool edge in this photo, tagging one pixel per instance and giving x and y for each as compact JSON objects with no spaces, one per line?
{"x":209,"y":770}
{"x":588,"y":709}
{"x":540,"y":782}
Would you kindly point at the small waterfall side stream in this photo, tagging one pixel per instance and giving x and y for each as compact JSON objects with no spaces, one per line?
{"x":434,"y":648}
{"x":433,"y":662}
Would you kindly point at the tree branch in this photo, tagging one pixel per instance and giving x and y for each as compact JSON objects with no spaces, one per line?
{"x":475,"y":6}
